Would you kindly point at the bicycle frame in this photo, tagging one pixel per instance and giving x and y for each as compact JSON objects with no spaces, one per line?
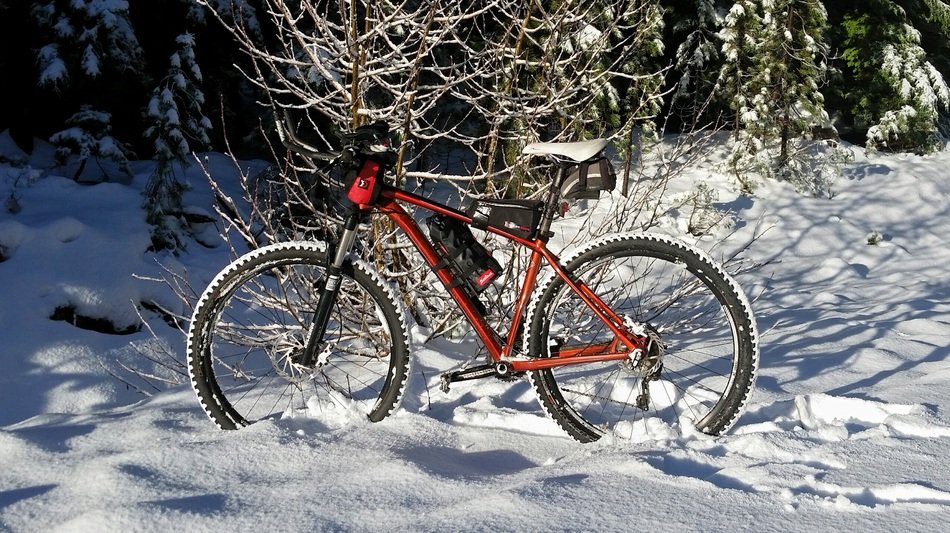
{"x":626,"y":344}
{"x":292,"y":327}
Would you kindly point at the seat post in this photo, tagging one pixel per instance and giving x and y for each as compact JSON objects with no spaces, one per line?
{"x":554,"y":197}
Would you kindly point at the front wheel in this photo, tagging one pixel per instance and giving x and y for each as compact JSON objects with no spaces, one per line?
{"x":250,"y":327}
{"x":700,"y":364}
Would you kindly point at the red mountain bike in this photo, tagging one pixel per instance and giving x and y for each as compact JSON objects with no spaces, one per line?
{"x":628,"y":331}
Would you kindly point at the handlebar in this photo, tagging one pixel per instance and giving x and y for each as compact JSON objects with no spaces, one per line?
{"x":364,"y":138}
{"x":370,"y":133}
{"x":289,"y":138}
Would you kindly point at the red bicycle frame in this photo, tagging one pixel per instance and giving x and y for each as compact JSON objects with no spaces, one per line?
{"x":624,"y":345}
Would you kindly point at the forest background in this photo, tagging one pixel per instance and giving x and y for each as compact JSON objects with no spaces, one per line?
{"x":465,"y":84}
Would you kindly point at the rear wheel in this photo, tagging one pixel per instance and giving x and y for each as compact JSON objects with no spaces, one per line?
{"x":250,"y":326}
{"x":699,"y":367}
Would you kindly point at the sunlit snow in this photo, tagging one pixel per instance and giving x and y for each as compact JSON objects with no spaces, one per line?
{"x":847,"y":430}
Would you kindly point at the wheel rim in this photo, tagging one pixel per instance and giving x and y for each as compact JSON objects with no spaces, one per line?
{"x":259,"y":329}
{"x":699,"y":350}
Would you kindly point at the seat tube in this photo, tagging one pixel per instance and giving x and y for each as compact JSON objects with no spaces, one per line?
{"x":329,"y":288}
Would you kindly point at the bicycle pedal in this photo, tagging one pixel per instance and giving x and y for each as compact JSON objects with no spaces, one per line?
{"x":475,"y":372}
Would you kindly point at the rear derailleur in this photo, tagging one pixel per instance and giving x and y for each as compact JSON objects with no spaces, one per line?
{"x":646,"y":362}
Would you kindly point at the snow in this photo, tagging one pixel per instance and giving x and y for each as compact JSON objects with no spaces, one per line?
{"x":53,"y":68}
{"x":587,"y":37}
{"x":848,"y":427}
{"x":90,"y":62}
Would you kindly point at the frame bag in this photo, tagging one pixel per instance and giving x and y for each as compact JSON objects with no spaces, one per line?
{"x":471,"y":261}
{"x":517,"y":217}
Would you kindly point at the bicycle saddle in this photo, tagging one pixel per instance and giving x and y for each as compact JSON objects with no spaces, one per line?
{"x":576,"y":151}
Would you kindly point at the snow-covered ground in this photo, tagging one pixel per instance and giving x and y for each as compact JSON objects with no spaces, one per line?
{"x":848,"y":428}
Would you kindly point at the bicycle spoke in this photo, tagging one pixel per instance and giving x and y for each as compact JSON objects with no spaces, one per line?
{"x":686,"y":375}
{"x":250,"y":356}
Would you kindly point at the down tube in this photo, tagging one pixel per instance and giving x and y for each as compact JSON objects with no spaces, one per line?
{"x":409,"y":226}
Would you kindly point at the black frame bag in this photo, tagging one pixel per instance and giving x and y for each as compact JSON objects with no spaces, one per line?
{"x":517,"y":217}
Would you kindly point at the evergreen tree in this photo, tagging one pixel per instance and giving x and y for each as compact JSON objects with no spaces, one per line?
{"x":640,"y":80}
{"x":90,"y":36}
{"x":175,"y":108}
{"x":795,"y":57}
{"x":778,"y":100}
{"x":739,"y":81}
{"x":91,"y":40}
{"x":741,"y":33}
{"x":695,"y":26}
{"x":921,"y":94}
{"x":888,"y":87}
{"x":639,"y":62}
{"x":808,"y":152}
{"x":918,"y":91}
{"x":177,"y":126}
{"x":88,"y":135}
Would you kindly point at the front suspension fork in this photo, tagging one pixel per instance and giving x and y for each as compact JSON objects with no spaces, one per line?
{"x":328,"y":291}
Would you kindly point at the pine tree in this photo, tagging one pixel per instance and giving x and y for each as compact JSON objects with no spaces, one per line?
{"x":778,"y":99}
{"x":178,"y":125}
{"x":698,"y":58}
{"x":88,"y":136}
{"x":741,"y":33}
{"x":90,"y":40}
{"x":798,"y":67}
{"x":919,"y":94}
{"x":90,"y":36}
{"x":640,"y":79}
{"x":808,"y":152}
{"x":740,"y":81}
{"x":175,"y":108}
{"x":640,"y":63}
{"x":888,"y":87}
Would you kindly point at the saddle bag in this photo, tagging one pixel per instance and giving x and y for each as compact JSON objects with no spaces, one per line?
{"x":587,"y":178}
